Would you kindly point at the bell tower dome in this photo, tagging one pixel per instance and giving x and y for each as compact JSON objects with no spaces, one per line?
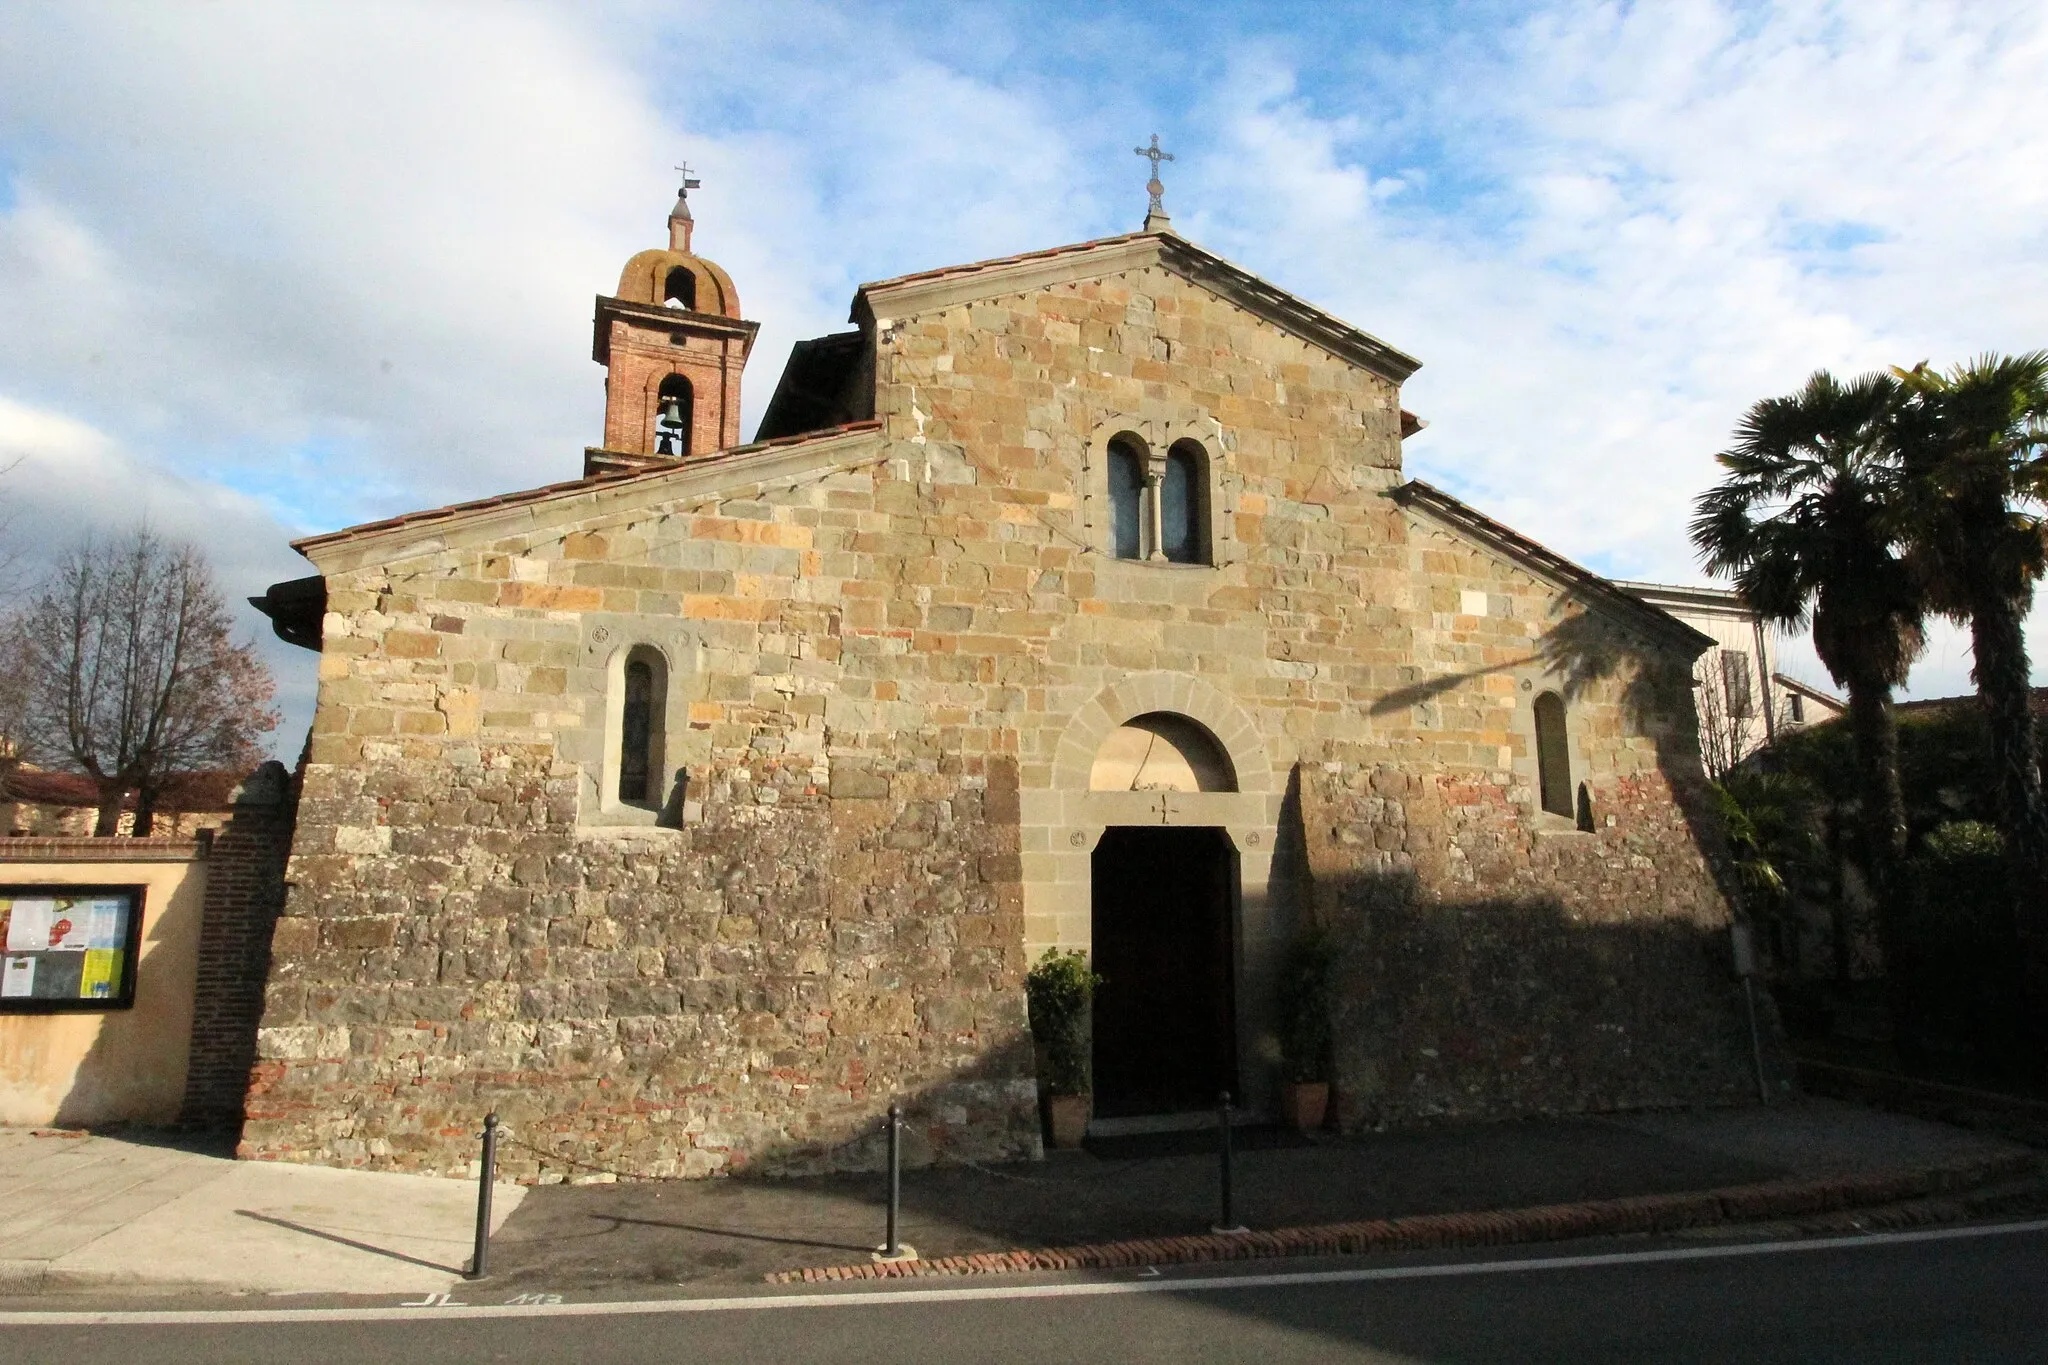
{"x":673,"y":346}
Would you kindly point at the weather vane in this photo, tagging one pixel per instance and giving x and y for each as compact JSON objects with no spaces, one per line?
{"x":1155,"y":212}
{"x":680,"y":221}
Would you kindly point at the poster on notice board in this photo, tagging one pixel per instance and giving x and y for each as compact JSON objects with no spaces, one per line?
{"x":68,"y":947}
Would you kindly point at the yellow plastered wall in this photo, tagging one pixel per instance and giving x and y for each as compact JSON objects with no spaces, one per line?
{"x":105,"y":1066}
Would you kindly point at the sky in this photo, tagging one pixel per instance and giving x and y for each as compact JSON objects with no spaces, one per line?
{"x":268,"y":270}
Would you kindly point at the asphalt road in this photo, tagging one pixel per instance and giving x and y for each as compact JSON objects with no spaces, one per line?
{"x":1914,"y":1297}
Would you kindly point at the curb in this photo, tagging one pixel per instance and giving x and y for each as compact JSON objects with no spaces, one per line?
{"x":2020,"y":1117}
{"x":34,"y":1279}
{"x":1650,"y":1213}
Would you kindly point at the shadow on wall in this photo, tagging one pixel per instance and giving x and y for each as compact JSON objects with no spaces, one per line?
{"x":134,"y":1070}
{"x":1492,"y":967}
{"x":1580,"y":649}
{"x":946,"y":1120}
{"x":1482,"y":1006}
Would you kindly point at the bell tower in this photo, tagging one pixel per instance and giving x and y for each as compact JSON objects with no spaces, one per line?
{"x":673,"y":346}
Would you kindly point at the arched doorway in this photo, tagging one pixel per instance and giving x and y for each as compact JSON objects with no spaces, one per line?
{"x":1163,"y":920}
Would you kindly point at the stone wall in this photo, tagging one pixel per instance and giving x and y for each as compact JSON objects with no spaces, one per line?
{"x":741,"y":993}
{"x":1489,"y":969}
{"x":879,"y":645}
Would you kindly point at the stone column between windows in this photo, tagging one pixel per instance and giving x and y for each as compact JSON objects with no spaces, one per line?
{"x":1155,"y":518}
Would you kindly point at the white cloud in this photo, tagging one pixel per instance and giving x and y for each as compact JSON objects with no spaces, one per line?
{"x":1690,"y":206}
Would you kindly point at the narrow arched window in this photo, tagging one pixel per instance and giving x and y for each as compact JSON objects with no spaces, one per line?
{"x":1183,"y":505}
{"x":1126,"y":497}
{"x":636,"y":731}
{"x":680,"y":290}
{"x":1553,"y":757}
{"x":673,"y":413}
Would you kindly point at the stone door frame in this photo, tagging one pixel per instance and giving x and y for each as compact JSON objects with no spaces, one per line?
{"x":1062,"y":823}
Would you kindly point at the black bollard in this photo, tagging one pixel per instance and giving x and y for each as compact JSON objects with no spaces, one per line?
{"x":894,"y":1249}
{"x":480,"y":1259}
{"x":1228,"y":1222}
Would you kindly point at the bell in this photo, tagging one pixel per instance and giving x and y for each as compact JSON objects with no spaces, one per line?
{"x":672,"y":414}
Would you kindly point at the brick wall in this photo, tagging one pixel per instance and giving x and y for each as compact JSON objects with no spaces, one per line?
{"x":244,"y":893}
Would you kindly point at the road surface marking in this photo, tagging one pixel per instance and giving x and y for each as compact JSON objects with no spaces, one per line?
{"x":872,"y":1298}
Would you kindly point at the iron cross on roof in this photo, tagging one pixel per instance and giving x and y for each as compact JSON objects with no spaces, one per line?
{"x":690,"y":182}
{"x":1157,"y":208}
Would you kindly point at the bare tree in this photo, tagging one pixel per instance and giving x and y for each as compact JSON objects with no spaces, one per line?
{"x":130,"y":673}
{"x":1727,"y":733}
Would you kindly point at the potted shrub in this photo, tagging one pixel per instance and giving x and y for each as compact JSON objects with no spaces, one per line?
{"x":1061,"y":994}
{"x":1306,"y":984}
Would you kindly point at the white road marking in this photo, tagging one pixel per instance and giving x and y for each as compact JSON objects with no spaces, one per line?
{"x":883,"y":1297}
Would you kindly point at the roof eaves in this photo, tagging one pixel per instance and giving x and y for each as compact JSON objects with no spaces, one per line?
{"x":1591,"y":586}
{"x":1808,"y":690}
{"x":1256,"y":296}
{"x":530,"y":496}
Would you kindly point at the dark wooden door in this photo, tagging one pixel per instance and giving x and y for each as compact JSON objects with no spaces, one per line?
{"x":1165,"y":1017}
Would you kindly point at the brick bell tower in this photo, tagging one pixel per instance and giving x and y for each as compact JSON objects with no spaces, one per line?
{"x":673,"y":346}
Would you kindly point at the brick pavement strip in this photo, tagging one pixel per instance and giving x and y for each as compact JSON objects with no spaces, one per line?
{"x":1657,"y":1213}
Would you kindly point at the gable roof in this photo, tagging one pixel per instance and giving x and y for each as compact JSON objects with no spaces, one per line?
{"x":374,"y":542}
{"x":1812,"y":693}
{"x":953,"y":285}
{"x":1589,"y":587}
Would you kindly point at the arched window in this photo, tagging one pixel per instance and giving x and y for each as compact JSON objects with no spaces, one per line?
{"x":1553,"y":757}
{"x":1183,"y":505}
{"x":642,"y":699}
{"x":673,"y":413}
{"x":1126,"y":497}
{"x":680,"y":290}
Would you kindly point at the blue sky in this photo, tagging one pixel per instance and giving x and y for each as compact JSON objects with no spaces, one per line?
{"x":283,"y":268}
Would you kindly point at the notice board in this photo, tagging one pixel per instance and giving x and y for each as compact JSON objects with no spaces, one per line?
{"x":68,"y":947}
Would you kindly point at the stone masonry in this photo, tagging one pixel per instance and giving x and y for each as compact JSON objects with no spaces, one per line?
{"x":890,"y":648}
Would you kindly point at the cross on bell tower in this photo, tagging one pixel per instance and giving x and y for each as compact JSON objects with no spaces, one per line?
{"x":1155,"y":212}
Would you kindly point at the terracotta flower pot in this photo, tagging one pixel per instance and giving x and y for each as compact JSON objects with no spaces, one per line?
{"x":1305,"y":1104}
{"x":1066,"y":1119}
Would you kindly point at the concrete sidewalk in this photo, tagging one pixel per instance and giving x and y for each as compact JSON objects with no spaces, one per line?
{"x":112,"y":1213}
{"x":85,"y":1212}
{"x":739,"y":1231}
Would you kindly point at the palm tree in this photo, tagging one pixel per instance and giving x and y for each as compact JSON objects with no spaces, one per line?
{"x":1974,"y":446}
{"x":1806,"y":523}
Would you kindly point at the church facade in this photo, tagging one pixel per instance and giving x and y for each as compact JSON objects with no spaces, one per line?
{"x":691,"y":812}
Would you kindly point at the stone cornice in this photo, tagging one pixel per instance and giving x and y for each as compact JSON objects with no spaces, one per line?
{"x":661,"y":317}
